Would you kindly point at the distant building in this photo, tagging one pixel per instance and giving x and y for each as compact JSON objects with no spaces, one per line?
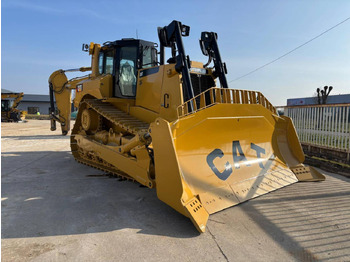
{"x":6,"y":91}
{"x":35,"y":103}
{"x":305,"y":101}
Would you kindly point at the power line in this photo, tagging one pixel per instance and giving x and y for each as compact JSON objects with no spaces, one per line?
{"x":278,"y":58}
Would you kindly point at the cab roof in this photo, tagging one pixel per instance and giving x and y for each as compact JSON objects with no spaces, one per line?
{"x":129,"y":41}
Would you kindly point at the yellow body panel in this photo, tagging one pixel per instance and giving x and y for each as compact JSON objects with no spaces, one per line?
{"x":143,"y":114}
{"x":171,"y":89}
{"x":104,"y":82}
{"x":149,"y":90}
{"x":158,"y":95}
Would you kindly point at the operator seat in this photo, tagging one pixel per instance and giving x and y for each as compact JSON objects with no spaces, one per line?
{"x":127,"y":80}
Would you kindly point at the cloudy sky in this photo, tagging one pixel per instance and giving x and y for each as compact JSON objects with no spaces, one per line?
{"x":39,"y":37}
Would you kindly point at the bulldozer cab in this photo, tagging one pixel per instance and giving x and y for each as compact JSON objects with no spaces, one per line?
{"x":123,"y":59}
{"x":5,"y":105}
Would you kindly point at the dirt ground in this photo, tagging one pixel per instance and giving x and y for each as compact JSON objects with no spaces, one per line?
{"x":54,"y":209}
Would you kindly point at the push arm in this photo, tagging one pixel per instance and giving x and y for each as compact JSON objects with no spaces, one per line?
{"x":171,"y":36}
{"x":209,"y":46}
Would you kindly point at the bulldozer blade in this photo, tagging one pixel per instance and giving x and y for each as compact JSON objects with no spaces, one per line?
{"x":224,"y":155}
{"x":171,"y":186}
{"x":307,"y":174}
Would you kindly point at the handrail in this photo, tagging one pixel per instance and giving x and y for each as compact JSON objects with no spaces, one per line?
{"x":217,"y":95}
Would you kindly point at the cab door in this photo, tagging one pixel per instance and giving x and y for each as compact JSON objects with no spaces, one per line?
{"x":126,"y":72}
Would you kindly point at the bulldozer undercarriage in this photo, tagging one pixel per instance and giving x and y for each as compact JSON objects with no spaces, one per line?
{"x":128,"y":142}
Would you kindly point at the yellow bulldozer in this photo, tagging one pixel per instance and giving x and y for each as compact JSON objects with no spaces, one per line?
{"x":167,"y":125}
{"x":9,"y":102}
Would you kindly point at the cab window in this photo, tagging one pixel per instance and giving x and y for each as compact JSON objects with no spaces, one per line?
{"x":106,"y":62}
{"x":147,"y":57}
{"x":109,"y":60}
{"x":100,"y":63}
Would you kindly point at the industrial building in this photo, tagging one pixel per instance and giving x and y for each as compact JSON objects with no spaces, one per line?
{"x":32,"y":103}
{"x":305,"y":101}
{"x":35,"y":103}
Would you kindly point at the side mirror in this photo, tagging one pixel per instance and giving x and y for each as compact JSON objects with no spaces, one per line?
{"x":85,"y":48}
{"x":185,"y":30}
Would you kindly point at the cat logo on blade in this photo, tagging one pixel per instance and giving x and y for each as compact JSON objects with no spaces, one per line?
{"x":238,"y":156}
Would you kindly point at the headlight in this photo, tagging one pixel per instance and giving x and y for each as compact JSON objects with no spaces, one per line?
{"x":201,"y":71}
{"x":79,"y":88}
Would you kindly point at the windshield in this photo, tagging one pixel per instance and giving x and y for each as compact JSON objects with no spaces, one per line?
{"x":4,"y":105}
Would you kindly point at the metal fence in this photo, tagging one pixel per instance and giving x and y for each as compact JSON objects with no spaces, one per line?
{"x":322,"y":125}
